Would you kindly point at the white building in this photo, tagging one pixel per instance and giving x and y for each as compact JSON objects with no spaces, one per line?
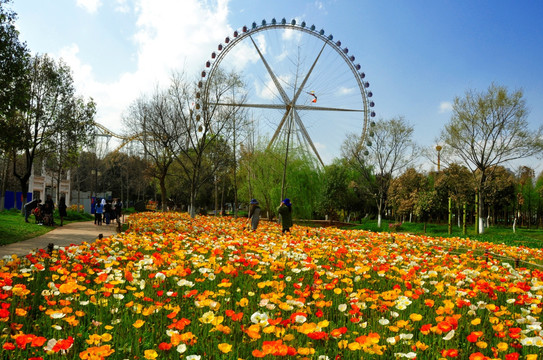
{"x":42,"y":183}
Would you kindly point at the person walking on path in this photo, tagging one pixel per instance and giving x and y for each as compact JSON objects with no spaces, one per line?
{"x":107,"y":212}
{"x":62,"y":210}
{"x":99,"y":209}
{"x":118,"y":208}
{"x":254,"y":214}
{"x":285,"y":213}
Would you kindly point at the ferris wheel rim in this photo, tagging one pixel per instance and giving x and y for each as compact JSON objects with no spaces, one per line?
{"x":246,"y":32}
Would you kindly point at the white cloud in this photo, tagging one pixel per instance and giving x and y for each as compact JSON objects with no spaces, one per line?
{"x":445,"y":106}
{"x":346,"y":91}
{"x":122,"y":6}
{"x":171,"y":35}
{"x":90,"y":6}
{"x":268,"y":90}
{"x":319,"y":5}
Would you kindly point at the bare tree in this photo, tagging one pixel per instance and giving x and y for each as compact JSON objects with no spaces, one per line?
{"x":153,"y":124}
{"x":392,"y":150}
{"x":201,"y":127}
{"x":488,"y":129}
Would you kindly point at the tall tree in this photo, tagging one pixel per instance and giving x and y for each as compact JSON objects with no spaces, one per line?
{"x":336,"y":191}
{"x":14,"y":58}
{"x":51,"y":93}
{"x":392,"y":150}
{"x":404,"y":192}
{"x":539,"y":189}
{"x":201,"y":127}
{"x":152,"y":121}
{"x":527,"y":195}
{"x":488,"y":129}
{"x":500,"y":193}
{"x":76,"y":129}
{"x":263,"y":171}
{"x":456,"y":182}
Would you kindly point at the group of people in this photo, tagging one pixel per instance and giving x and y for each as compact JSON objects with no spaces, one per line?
{"x":284,"y":210}
{"x":106,"y":211}
{"x":44,"y":212}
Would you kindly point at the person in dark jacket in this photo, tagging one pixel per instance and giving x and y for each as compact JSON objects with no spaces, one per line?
{"x":48,"y":209}
{"x":62,"y":209}
{"x":285,"y":212}
{"x":254,"y":214}
{"x":107,"y":212}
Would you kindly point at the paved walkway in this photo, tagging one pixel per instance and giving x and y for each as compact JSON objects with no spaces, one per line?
{"x":73,"y":233}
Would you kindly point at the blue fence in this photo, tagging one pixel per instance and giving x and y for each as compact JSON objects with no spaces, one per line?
{"x":14,"y":199}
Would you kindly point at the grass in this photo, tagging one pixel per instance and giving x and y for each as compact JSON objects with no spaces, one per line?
{"x":13,"y":227}
{"x":532,"y":238}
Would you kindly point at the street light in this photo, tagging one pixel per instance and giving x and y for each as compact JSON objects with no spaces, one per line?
{"x":438,"y":148}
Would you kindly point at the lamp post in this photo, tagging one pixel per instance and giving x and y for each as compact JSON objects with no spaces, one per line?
{"x":438,"y":148}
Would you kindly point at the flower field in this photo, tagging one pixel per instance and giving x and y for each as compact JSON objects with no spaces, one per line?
{"x":207,"y":288}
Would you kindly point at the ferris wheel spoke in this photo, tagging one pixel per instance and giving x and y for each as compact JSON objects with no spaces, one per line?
{"x":260,"y":106}
{"x":284,"y":95}
{"x":306,"y":135}
{"x":322,"y":108}
{"x":282,"y":106}
{"x":307,"y":76}
{"x":278,"y":130}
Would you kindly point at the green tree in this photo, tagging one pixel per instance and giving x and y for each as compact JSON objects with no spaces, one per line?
{"x":404,"y":192}
{"x":527,"y":195}
{"x":424,"y":205}
{"x":500,"y":194}
{"x":487,"y":129}
{"x":14,"y":58}
{"x":539,"y":190}
{"x":14,"y":82}
{"x":75,"y":131}
{"x":340,"y":191}
{"x":335,"y":190}
{"x":455,"y":181}
{"x":261,"y":173}
{"x":52,"y":95}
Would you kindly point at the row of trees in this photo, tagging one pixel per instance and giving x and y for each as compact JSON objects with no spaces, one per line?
{"x":41,"y":115}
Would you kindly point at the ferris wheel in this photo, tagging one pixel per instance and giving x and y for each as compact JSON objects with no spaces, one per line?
{"x":301,"y":86}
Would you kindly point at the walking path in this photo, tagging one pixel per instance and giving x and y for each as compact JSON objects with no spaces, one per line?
{"x":74,"y":233}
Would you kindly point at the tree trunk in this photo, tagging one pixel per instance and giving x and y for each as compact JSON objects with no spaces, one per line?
{"x":192,"y":211}
{"x":5,"y":168}
{"x":163,"y":196}
{"x":481,"y":219}
{"x":458,"y":214}
{"x":216,"y":195}
{"x":379,"y":208}
{"x":222,"y":199}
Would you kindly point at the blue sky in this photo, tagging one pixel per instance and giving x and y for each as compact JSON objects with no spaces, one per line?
{"x":417,"y":55}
